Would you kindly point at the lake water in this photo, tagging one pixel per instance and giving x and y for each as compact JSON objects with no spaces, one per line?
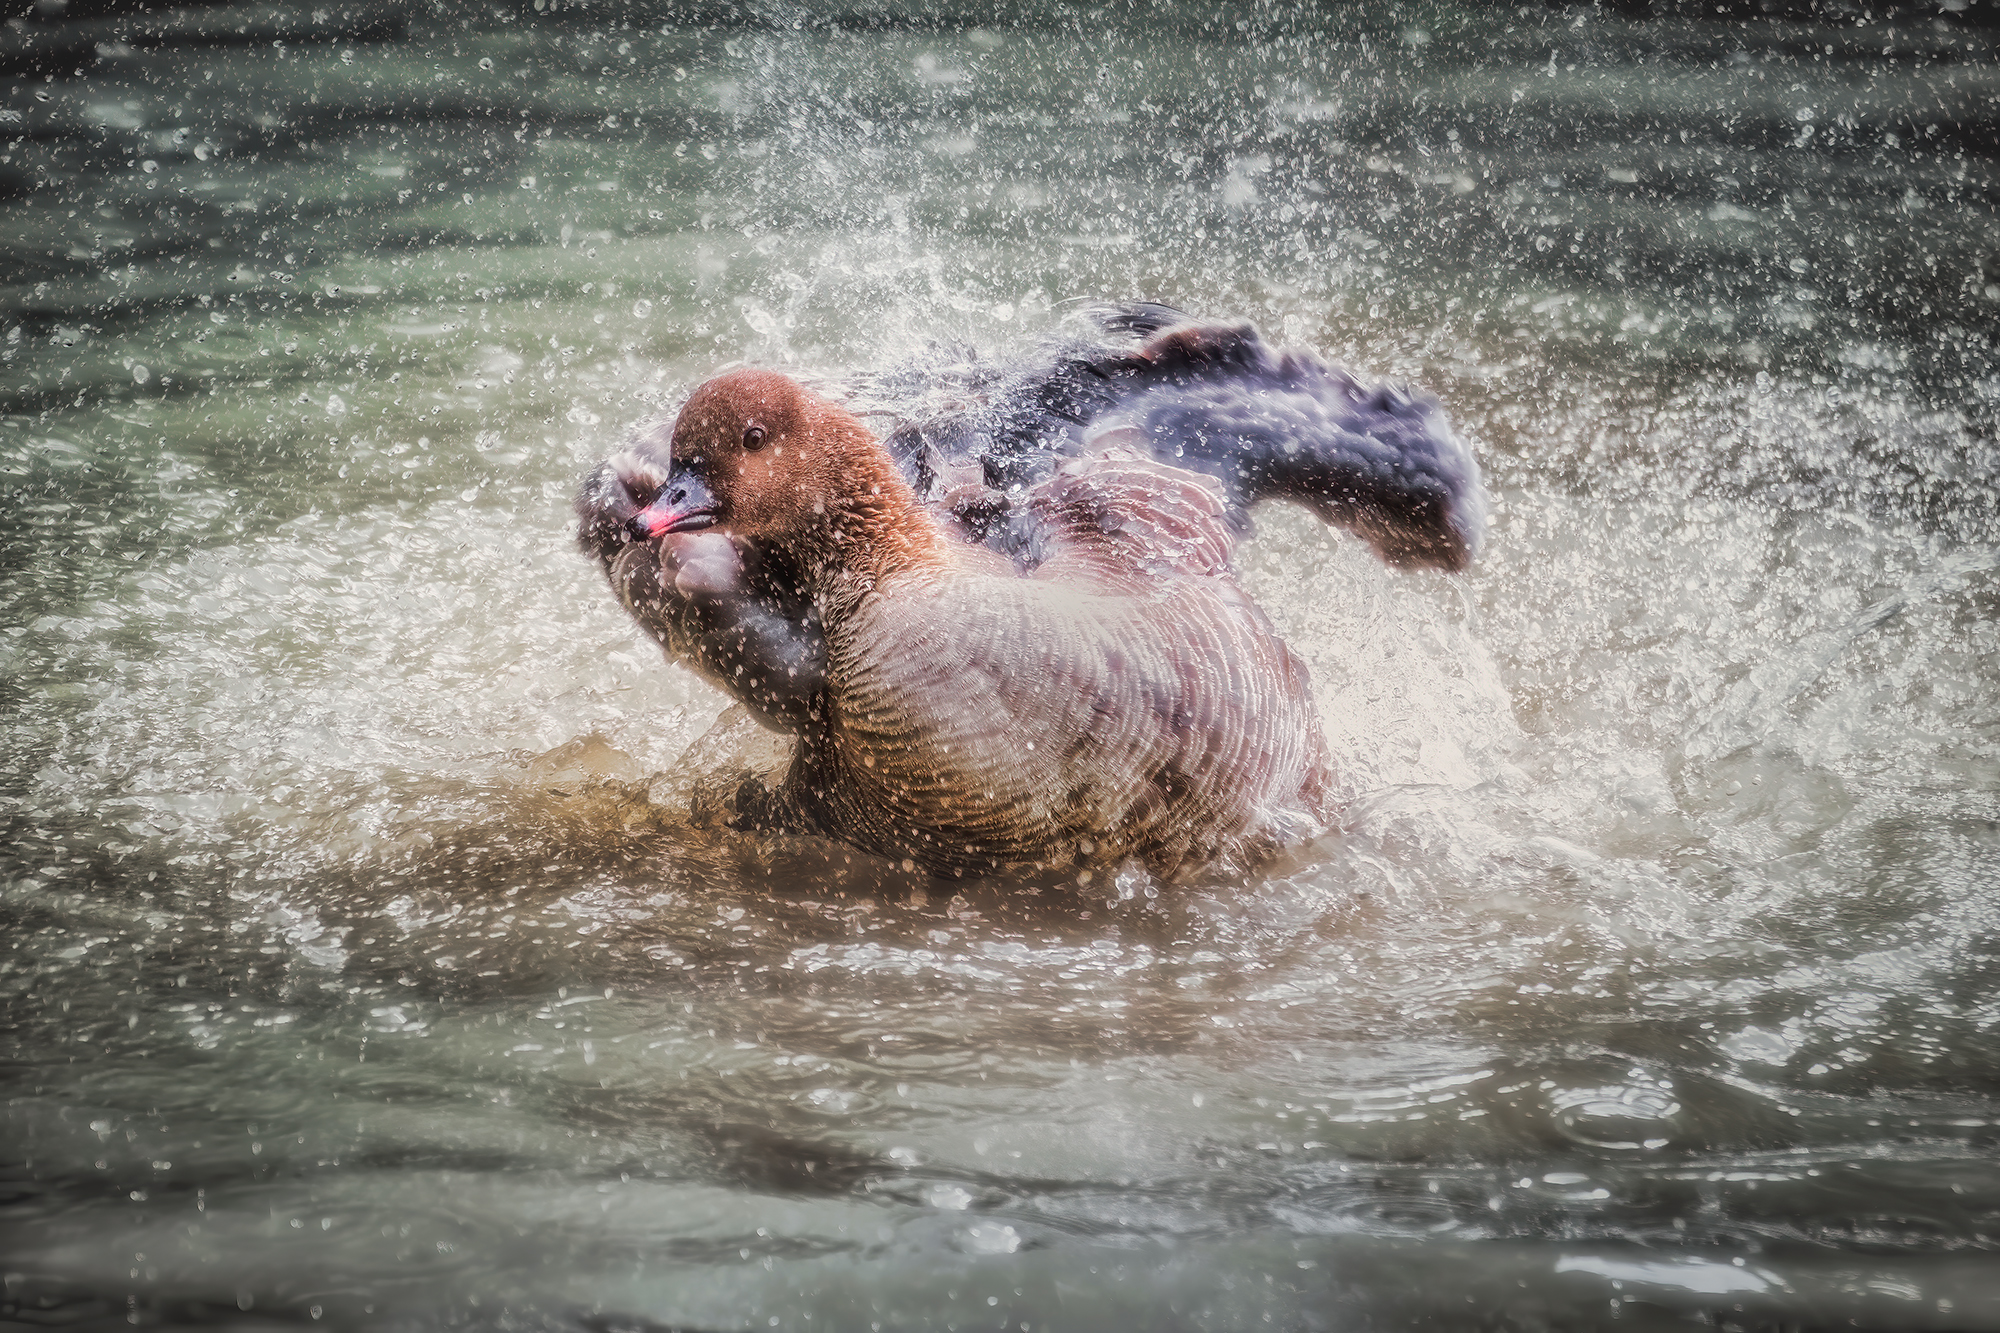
{"x":359,"y":966}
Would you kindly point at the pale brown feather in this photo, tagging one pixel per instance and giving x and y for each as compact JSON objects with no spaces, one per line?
{"x":1127,"y":700}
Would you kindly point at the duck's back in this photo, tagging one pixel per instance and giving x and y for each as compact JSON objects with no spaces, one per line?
{"x":1127,"y":700}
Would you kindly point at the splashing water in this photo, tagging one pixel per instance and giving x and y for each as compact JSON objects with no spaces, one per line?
{"x":361,"y":964}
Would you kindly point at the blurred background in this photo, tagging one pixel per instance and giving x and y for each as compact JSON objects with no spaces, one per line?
{"x":359,"y":966}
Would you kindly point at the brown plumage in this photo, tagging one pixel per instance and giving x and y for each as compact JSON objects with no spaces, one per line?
{"x":1116,"y":696}
{"x":1009,"y":632}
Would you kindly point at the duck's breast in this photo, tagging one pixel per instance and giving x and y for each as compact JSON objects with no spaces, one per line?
{"x":1006,"y":719}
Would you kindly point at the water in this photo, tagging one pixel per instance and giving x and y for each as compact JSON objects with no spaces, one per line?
{"x":361,"y":966}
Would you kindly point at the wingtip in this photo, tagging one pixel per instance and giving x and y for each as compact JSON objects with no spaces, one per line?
{"x":1450,"y":535}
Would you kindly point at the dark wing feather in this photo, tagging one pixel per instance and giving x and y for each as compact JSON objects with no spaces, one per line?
{"x":1268,"y":423}
{"x":1280,"y":424}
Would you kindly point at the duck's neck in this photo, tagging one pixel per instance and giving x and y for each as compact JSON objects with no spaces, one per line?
{"x":876,"y":528}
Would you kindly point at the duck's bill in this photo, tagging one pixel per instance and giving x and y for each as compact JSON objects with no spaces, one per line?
{"x":684,"y":505}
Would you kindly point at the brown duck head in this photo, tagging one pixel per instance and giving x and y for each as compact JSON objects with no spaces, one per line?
{"x":758,"y":456}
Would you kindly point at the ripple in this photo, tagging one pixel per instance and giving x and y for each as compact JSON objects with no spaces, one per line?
{"x":1624,"y":1117}
{"x":1699,"y":1276}
{"x":1887,"y":1233}
{"x":835,"y":1103}
{"x":1386,"y":1214}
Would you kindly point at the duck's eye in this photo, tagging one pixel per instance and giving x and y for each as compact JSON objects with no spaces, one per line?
{"x":753,"y":437}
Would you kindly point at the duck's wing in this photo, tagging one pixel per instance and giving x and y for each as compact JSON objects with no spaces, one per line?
{"x":950,"y":416}
{"x":1279,"y":424}
{"x":1268,"y":423}
{"x":1119,"y":521}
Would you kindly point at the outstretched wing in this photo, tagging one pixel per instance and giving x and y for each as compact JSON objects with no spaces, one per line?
{"x":1267,"y":423}
{"x":1272,"y":424}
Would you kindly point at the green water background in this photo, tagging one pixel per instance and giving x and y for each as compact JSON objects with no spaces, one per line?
{"x":360,"y":969}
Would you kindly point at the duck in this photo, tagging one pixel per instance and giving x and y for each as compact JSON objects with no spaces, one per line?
{"x":1007,"y":630}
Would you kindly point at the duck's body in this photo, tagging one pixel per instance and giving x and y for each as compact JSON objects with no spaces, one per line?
{"x":1011,"y":633}
{"x":1106,"y":706}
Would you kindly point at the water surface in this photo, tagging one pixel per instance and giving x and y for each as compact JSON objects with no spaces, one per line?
{"x":361,"y":966}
